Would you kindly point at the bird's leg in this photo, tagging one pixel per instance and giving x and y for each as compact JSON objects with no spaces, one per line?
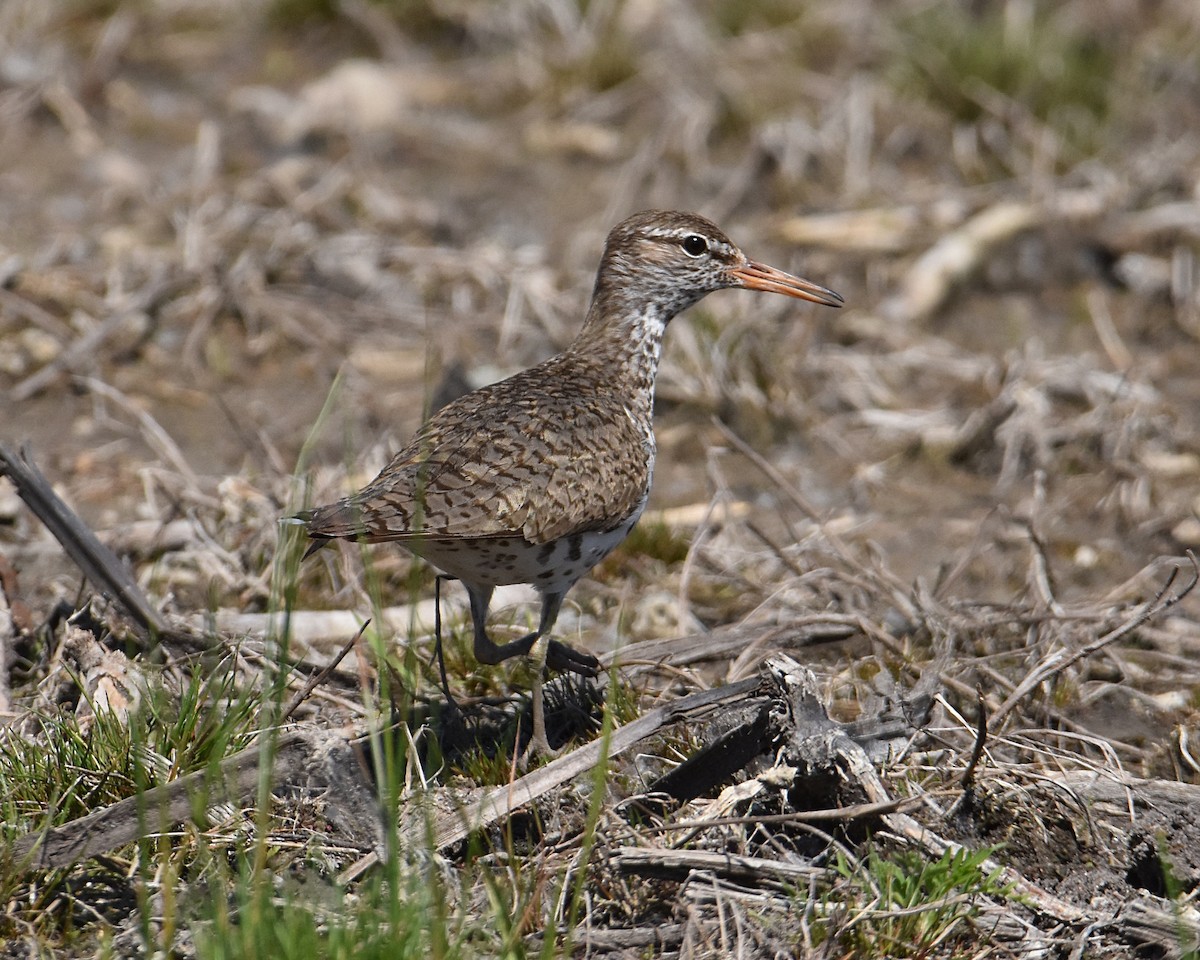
{"x":437,"y":637}
{"x":538,"y":744}
{"x":558,"y":655}
{"x":487,"y":651}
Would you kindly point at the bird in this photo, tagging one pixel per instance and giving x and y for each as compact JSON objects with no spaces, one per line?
{"x":536,"y":478}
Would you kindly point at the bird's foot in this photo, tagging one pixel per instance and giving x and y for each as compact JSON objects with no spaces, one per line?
{"x":493,"y":653}
{"x":559,"y":656}
{"x":566,"y":659}
{"x":535,"y":750}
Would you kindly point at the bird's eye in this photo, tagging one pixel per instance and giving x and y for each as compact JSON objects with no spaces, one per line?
{"x":694,"y":245}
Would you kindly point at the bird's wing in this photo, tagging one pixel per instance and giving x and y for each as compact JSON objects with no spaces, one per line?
{"x":544,"y":467}
{"x":595,"y":476}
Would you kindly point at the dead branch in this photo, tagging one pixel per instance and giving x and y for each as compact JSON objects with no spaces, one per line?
{"x":499,"y":802}
{"x":676,"y":864}
{"x":99,"y":564}
{"x":978,"y":434}
{"x":880,"y":230}
{"x":295,"y":759}
{"x":856,"y":811}
{"x":959,"y":253}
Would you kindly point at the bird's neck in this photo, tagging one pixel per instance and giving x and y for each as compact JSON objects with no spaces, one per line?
{"x":623,"y":340}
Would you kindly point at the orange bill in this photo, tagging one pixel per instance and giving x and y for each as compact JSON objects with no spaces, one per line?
{"x":758,"y":276}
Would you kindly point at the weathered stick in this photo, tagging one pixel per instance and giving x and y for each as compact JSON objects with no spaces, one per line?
{"x":99,"y":564}
{"x":158,"y":809}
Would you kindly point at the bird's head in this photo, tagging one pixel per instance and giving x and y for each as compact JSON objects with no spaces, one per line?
{"x":673,"y":259}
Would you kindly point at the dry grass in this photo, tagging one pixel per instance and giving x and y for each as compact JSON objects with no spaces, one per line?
{"x":227,"y":223}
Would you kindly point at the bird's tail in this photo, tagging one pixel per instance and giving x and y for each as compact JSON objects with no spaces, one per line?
{"x":304,"y":519}
{"x":317,"y":544}
{"x":333,"y":521}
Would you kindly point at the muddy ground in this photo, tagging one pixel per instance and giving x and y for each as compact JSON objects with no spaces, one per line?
{"x":233,"y":232}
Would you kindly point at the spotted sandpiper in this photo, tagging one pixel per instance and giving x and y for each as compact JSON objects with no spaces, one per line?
{"x":535,"y":479}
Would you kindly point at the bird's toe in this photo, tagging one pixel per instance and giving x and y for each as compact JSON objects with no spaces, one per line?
{"x":566,"y":659}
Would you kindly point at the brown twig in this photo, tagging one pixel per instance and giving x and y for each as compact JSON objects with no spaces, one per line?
{"x":1059,"y":661}
{"x":320,"y":676}
{"x":899,"y":593}
{"x":968,"y":775}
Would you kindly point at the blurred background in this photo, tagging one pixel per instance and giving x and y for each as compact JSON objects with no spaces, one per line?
{"x":211,"y":210}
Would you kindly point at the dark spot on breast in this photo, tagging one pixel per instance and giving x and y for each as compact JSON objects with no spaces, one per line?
{"x":575,"y":547}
